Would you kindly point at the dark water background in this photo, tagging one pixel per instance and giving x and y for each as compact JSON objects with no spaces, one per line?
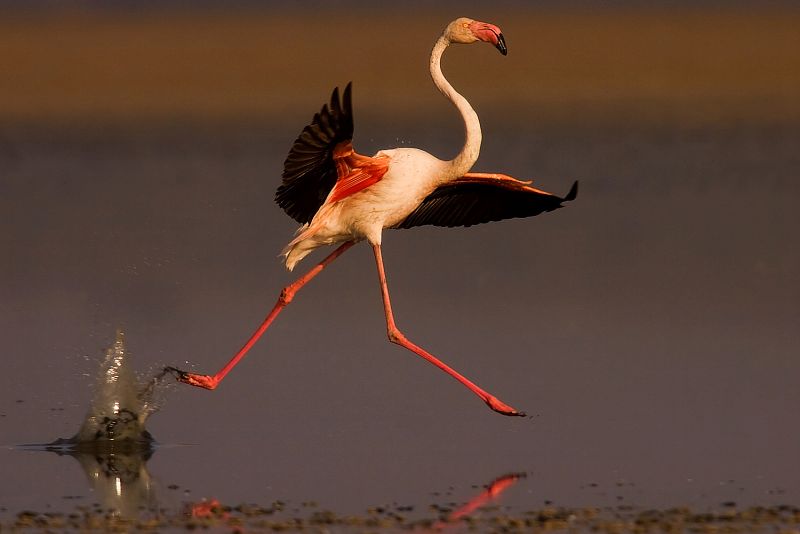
{"x":651,"y":328}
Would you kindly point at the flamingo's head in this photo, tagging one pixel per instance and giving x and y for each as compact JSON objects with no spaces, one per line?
{"x":466,"y":30}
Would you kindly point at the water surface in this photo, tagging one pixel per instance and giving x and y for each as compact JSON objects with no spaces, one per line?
{"x":650,"y":327}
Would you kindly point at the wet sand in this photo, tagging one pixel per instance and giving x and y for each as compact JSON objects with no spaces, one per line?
{"x":281,"y":516}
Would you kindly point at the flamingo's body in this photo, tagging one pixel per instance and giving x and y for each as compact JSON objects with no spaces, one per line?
{"x":340,"y":196}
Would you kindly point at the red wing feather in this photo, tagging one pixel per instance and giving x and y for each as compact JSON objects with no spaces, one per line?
{"x":356,"y":172}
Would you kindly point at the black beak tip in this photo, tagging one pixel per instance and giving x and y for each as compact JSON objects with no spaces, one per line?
{"x":501,"y":45}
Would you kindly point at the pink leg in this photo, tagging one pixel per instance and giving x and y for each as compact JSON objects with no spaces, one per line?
{"x":395,"y":336}
{"x":286,"y":296}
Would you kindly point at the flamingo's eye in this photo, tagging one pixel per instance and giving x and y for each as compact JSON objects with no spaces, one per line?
{"x":465,"y":24}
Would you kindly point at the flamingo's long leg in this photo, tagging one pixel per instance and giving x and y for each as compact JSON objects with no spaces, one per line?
{"x":396,"y":336}
{"x":286,"y":296}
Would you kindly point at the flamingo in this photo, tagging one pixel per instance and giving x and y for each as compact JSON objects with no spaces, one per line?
{"x":342,"y":197}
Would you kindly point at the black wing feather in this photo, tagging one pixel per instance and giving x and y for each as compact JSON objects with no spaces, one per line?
{"x":309,"y":172}
{"x":469,"y":202}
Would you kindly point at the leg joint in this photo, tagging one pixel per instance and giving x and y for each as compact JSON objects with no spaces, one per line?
{"x":287,"y":294}
{"x":395,"y":335}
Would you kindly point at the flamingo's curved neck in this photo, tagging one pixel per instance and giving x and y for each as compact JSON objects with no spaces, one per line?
{"x":465,"y":159}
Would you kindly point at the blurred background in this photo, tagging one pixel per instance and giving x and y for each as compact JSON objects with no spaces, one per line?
{"x":651,"y":327}
{"x":103,"y":62}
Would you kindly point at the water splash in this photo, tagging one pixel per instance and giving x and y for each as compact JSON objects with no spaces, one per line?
{"x":121,"y":405}
{"x":112,"y":444}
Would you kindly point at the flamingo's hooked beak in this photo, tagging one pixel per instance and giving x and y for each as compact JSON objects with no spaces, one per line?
{"x":488,"y":33}
{"x":501,"y":44}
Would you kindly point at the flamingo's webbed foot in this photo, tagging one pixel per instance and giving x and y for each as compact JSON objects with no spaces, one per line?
{"x":502,"y":408}
{"x":193,"y":379}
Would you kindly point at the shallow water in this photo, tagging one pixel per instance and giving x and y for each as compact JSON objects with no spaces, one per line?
{"x":650,"y":327}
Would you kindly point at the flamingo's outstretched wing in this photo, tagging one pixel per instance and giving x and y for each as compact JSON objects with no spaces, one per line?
{"x":310,"y":170}
{"x":477,"y":198}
